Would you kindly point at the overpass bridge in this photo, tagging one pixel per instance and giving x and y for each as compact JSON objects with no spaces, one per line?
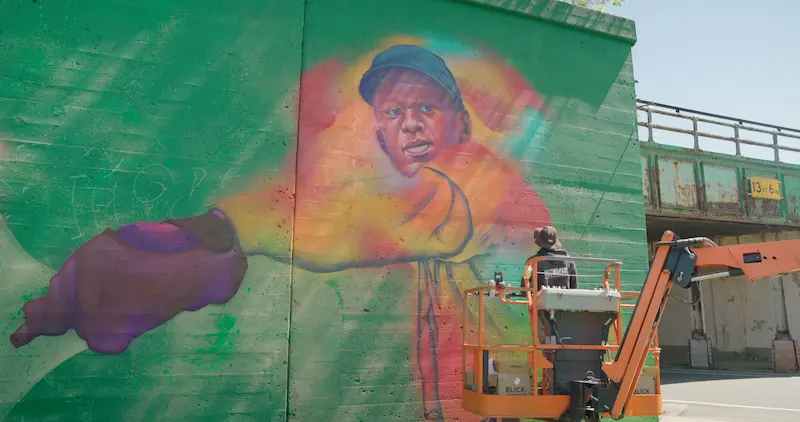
{"x":735,"y":181}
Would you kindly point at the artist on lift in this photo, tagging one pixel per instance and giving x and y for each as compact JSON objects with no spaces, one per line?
{"x":550,"y":273}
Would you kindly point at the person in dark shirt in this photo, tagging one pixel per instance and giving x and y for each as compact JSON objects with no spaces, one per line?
{"x":550,"y":273}
{"x":553,"y":273}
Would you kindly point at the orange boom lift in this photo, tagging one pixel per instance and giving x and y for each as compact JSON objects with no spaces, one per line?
{"x":583,"y":381}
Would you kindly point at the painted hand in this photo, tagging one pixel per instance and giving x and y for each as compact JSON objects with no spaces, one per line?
{"x":123,"y":283}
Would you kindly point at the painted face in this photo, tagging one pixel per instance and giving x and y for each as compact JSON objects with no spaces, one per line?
{"x":417,"y":119}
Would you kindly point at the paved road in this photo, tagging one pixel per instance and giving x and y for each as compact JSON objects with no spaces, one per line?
{"x":728,"y":396}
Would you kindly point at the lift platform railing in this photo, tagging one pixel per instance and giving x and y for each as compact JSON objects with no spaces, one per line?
{"x":526,"y":296}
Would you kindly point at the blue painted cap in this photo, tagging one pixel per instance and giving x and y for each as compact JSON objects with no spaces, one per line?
{"x":408,"y":57}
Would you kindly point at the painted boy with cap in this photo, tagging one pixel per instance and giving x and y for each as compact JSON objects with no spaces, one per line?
{"x":424,"y":128}
{"x":418,"y":107}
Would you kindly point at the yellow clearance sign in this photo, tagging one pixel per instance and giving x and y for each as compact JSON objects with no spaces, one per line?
{"x":765,"y":188}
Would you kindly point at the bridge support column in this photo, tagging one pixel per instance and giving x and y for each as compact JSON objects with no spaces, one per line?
{"x":700,"y":355}
{"x":784,"y":349}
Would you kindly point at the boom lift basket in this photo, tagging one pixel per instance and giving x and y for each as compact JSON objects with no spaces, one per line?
{"x":581,"y":321}
{"x":576,"y":384}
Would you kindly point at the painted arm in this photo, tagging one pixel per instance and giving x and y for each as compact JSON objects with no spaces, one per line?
{"x":365,"y":223}
{"x":123,"y":283}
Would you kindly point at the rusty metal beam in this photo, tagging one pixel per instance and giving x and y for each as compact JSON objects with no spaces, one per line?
{"x":706,"y":226}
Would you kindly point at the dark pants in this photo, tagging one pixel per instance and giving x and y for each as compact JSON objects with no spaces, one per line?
{"x":545,"y":331}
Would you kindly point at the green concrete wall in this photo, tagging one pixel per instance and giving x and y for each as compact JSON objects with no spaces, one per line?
{"x":324,"y":283}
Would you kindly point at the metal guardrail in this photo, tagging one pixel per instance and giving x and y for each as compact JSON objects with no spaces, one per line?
{"x":734,"y":124}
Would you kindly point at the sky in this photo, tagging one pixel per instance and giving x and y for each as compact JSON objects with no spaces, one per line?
{"x":732,"y":57}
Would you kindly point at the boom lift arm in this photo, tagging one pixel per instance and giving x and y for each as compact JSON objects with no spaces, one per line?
{"x":676,"y":262}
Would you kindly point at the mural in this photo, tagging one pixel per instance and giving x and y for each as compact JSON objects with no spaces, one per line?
{"x":410,"y":163}
{"x":208,"y":218}
{"x":429,"y":191}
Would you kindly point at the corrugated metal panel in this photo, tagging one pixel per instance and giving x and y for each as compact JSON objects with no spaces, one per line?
{"x":715,"y":197}
{"x":762,"y":207}
{"x":721,"y":188}
{"x":645,"y":160}
{"x":791,"y":187}
{"x":677,"y":183}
